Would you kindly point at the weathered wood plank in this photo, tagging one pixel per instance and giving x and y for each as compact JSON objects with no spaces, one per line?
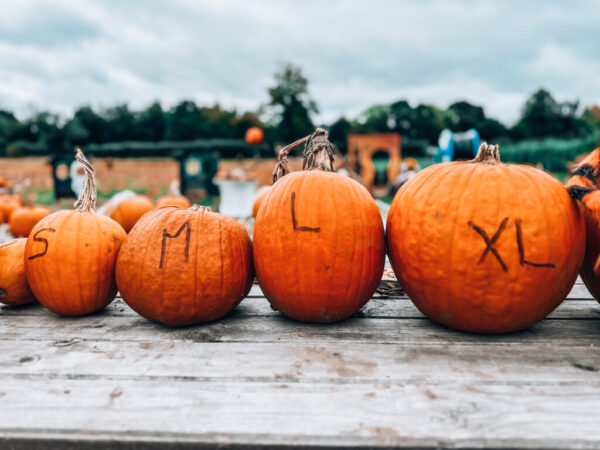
{"x":334,"y":363}
{"x":279,"y":329}
{"x":408,"y":414}
{"x":579,"y":291}
{"x":387,"y":308}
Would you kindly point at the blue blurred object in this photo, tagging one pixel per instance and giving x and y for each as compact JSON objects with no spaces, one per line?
{"x":457,"y":146}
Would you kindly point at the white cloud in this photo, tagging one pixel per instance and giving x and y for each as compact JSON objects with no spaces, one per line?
{"x":58,"y":56}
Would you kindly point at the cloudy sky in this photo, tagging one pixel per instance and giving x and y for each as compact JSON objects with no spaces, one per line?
{"x":58,"y":55}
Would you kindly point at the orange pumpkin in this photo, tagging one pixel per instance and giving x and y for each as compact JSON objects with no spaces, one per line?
{"x":483,"y":246}
{"x":258,"y":201}
{"x":254,"y":135}
{"x":23,"y":219}
{"x":319,"y":244}
{"x":2,"y":182}
{"x":129,"y":211}
{"x":173,"y":200}
{"x":70,"y":256}
{"x":584,"y":185}
{"x":185,"y":266}
{"x":14,"y":289}
{"x":8,"y":203}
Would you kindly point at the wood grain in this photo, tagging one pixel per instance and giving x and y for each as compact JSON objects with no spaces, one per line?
{"x":387,"y":377}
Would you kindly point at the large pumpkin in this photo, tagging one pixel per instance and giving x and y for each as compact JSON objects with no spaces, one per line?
{"x":185,"y":266}
{"x":14,"y":289}
{"x":129,"y":211}
{"x":584,"y":185}
{"x":483,"y":246}
{"x":70,"y":256}
{"x":22,"y":220}
{"x":319,"y":245}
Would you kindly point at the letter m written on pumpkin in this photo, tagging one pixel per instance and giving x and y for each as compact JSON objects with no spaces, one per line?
{"x":295,"y":222}
{"x":163,"y":250}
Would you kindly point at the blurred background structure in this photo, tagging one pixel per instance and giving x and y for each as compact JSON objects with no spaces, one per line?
{"x":157,"y":92}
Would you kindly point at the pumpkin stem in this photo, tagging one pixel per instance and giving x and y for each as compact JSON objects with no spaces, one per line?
{"x":200,"y":208}
{"x":87,"y":197}
{"x":318,"y":154}
{"x":487,"y":154}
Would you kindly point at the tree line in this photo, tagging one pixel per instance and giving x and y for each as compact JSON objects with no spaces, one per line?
{"x":288,"y":115}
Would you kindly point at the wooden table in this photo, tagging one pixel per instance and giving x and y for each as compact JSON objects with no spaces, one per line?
{"x":387,"y":377}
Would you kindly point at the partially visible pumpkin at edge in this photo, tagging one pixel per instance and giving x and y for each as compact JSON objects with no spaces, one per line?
{"x":14,"y":289}
{"x":584,"y":185}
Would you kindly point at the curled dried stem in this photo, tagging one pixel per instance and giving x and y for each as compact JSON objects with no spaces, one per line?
{"x":318,"y":154}
{"x":487,"y":154}
{"x":87,"y":197}
{"x":200,"y":208}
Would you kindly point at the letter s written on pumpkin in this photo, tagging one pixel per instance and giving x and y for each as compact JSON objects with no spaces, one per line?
{"x":41,"y":239}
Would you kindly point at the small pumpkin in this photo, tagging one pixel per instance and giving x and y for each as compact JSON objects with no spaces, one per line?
{"x":184,"y":266}
{"x":584,"y":185}
{"x":14,"y":289}
{"x":258,"y":201}
{"x":173,"y":200}
{"x":23,"y":219}
{"x":70,"y":256}
{"x":129,"y":211}
{"x":319,"y":245}
{"x":483,"y":246}
{"x":254,"y":135}
{"x":8,"y":203}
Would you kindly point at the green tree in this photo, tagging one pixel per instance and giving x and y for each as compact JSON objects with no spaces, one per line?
{"x":183,"y":121}
{"x":543,"y":116}
{"x":291,"y":104}
{"x":93,"y":124}
{"x":119,"y":123}
{"x":8,"y":129}
{"x":150,"y":124}
{"x":339,"y":130}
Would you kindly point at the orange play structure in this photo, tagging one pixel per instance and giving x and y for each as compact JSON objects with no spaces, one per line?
{"x":362,"y":148}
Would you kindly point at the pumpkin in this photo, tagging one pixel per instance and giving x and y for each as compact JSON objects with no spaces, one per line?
{"x":254,"y":135}
{"x":129,"y":211}
{"x":319,"y":245}
{"x":173,"y":200}
{"x":258,"y":201}
{"x":184,"y":266}
{"x":23,"y":219}
{"x":583,"y":185}
{"x":8,"y":203}
{"x":14,"y":289}
{"x":483,"y":246}
{"x":2,"y":182}
{"x":70,"y":256}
